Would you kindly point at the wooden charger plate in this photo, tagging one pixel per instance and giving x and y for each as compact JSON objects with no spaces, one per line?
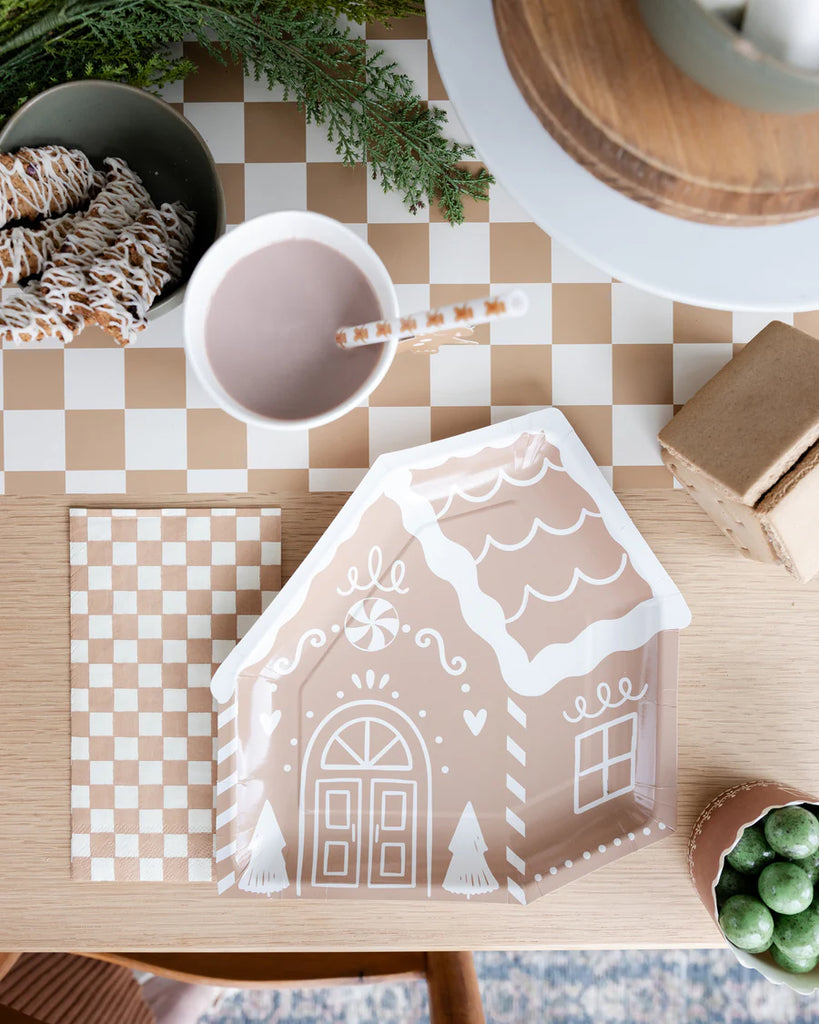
{"x":602,"y":87}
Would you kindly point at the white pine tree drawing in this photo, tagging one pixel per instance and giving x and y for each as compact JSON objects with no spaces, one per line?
{"x":468,"y":872}
{"x":266,"y":871}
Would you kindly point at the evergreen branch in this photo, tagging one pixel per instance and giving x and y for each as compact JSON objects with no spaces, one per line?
{"x":366,"y":10}
{"x":35,"y":30}
{"x":369,"y":108}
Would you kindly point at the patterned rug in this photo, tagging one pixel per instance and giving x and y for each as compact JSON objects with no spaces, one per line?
{"x":587,"y":987}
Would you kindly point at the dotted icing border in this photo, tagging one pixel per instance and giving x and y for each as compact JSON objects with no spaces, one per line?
{"x":602,"y":848}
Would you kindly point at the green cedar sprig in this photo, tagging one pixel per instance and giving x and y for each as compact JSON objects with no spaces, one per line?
{"x":369,"y":109}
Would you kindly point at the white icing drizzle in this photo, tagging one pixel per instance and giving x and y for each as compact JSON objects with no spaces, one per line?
{"x":97,"y":184}
{"x":26,"y":316}
{"x":123,"y":196}
{"x":46,"y":180}
{"x":179,"y":223}
{"x":107,"y":264}
{"x":24,"y":250}
{"x":127,"y":278}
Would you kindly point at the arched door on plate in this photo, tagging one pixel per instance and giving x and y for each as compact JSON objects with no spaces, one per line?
{"x":392,"y":833}
{"x":365,"y":808}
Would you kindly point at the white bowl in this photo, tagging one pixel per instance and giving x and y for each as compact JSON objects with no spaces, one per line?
{"x":248,"y":238}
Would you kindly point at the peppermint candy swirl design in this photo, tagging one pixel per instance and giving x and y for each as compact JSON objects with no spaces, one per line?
{"x":371,"y":624}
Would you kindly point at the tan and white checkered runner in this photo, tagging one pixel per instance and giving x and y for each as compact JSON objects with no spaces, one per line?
{"x":158,"y":598}
{"x":616,"y":360}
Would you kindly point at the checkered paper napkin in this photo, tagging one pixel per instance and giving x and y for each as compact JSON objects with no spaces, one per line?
{"x":158,"y":598}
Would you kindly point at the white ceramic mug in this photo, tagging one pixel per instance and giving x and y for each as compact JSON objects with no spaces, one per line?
{"x":257,"y":234}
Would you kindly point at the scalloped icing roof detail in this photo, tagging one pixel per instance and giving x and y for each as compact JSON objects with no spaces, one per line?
{"x":547,"y":567}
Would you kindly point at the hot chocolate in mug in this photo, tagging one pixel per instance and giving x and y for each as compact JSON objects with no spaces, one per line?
{"x":261,"y":312}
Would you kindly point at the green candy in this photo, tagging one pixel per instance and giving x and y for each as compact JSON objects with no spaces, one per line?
{"x":751,"y":853}
{"x":791,"y":963}
{"x":810,"y":865}
{"x":747,"y":923}
{"x":732,"y":883}
{"x":793,"y":832}
{"x":797,"y":935}
{"x":785,"y":888}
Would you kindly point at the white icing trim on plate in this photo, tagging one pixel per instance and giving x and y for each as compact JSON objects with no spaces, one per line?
{"x":391,"y":476}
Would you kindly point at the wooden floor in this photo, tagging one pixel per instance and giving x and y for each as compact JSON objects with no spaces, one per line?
{"x":748,"y":709}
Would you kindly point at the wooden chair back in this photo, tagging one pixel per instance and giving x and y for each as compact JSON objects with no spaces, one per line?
{"x":61,"y":988}
{"x":454,"y":996}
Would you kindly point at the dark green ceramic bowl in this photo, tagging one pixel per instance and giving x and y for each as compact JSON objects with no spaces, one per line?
{"x":167,"y":152}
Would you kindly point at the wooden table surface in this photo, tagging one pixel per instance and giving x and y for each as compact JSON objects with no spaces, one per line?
{"x":748,"y":709}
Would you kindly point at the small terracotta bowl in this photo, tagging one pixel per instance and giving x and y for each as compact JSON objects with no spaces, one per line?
{"x":714,"y":836}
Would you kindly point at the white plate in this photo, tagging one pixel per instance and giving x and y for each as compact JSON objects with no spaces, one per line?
{"x":769,"y":269}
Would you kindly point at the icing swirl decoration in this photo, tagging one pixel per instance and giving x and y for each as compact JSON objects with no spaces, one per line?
{"x":371,"y":624}
{"x":604,"y":696}
{"x":375,"y":569}
{"x":284,"y":666}
{"x":452,"y":666}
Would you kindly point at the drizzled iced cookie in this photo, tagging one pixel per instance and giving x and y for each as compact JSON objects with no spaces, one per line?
{"x":65,"y":277}
{"x":24,"y":249}
{"x":97,"y":184}
{"x":127,"y":278}
{"x":44,"y":181}
{"x":26,"y":317}
{"x":179,"y":223}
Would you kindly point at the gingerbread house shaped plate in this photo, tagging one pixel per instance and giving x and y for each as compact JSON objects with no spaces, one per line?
{"x":466,"y":691}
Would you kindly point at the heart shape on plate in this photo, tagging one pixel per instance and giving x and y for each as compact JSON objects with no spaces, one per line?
{"x":475,"y":720}
{"x":270,"y":721}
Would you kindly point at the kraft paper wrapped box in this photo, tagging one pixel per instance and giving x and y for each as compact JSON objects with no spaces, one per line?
{"x":746,"y":447}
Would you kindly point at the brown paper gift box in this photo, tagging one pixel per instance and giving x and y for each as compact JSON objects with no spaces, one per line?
{"x":714,"y":835}
{"x":746,"y":448}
